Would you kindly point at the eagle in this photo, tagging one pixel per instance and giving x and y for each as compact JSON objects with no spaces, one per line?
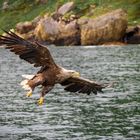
{"x":49,"y":73}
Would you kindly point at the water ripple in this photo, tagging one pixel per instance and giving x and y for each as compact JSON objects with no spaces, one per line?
{"x":113,"y":114}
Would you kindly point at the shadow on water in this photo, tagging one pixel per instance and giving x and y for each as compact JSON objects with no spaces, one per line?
{"x":114,"y":114}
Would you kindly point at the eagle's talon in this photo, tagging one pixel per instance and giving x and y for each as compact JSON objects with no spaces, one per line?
{"x":41,"y":101}
{"x":29,"y":94}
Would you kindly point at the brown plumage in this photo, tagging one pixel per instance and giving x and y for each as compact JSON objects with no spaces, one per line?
{"x":50,"y":73}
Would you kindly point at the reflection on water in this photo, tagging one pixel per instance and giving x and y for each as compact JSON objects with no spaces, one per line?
{"x":114,"y":114}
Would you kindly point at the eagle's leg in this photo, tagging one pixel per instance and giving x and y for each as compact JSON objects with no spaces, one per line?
{"x":45,"y":90}
{"x":32,"y":83}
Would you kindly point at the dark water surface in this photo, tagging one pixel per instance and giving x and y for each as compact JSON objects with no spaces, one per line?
{"x":114,"y":114}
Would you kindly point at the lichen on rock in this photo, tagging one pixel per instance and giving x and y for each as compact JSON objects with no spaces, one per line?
{"x":106,"y":28}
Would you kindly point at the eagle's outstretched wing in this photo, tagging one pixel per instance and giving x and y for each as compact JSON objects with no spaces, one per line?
{"x":81,"y":85}
{"x":32,"y":52}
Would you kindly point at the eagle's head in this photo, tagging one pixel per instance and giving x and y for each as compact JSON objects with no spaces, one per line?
{"x":74,"y":73}
{"x":65,"y":74}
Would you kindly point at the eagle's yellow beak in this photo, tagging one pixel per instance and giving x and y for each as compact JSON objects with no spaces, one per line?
{"x":76,"y":74}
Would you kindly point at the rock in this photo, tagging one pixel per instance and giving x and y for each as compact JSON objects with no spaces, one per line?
{"x":29,"y":36}
{"x":24,"y":27}
{"x":60,"y":12}
{"x":36,"y":20}
{"x":83,"y":21}
{"x":58,"y":33}
{"x":5,"y":5}
{"x":27,"y":26}
{"x":56,"y":16}
{"x":66,"y":8}
{"x":47,"y":29}
{"x":107,"y":28}
{"x":69,"y":34}
{"x":132,"y":35}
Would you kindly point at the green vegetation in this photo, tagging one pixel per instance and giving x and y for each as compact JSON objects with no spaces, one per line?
{"x":26,"y":10}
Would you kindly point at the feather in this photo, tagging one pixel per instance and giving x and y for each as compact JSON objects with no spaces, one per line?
{"x":32,"y":52}
{"x":27,"y":76}
{"x":82,"y":85}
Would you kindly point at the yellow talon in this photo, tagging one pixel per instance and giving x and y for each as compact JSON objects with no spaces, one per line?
{"x":41,"y":101}
{"x":29,"y":94}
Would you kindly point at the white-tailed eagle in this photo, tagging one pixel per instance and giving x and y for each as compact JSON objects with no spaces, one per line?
{"x":50,"y":73}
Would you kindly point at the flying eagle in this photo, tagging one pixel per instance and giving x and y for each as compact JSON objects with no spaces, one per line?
{"x":50,"y":73}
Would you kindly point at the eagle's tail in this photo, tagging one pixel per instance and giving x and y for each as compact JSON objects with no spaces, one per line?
{"x":24,"y":83}
{"x":28,"y":76}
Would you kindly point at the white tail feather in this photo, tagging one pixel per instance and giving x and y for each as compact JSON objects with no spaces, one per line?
{"x":26,"y":87}
{"x":27,"y":76}
{"x":24,"y":82}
